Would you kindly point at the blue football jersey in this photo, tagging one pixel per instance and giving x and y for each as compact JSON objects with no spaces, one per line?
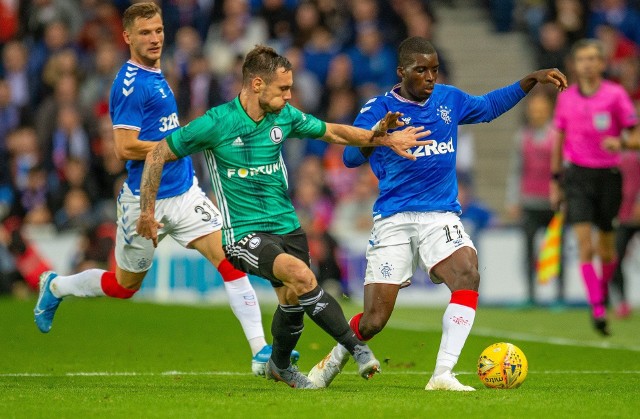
{"x":141,"y":100}
{"x":429,"y":183}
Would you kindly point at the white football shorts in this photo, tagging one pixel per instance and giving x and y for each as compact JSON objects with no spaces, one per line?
{"x":402,"y":242}
{"x":185,"y":217}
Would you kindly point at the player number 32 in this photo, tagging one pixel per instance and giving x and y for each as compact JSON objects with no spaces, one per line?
{"x":169,"y":122}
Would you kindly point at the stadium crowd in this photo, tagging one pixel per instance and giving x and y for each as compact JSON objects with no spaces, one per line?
{"x":59,"y":57}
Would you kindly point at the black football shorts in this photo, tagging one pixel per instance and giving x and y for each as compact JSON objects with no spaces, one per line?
{"x":593,"y":195}
{"x":256,"y":252}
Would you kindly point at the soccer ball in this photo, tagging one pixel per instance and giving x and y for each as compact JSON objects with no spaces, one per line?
{"x":502,"y":365}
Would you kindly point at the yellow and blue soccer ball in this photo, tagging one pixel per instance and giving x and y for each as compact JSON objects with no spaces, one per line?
{"x":502,"y":365}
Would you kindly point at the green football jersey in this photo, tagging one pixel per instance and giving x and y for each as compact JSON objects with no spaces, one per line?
{"x":246,"y":166}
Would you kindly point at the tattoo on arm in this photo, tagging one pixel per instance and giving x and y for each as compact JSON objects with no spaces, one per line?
{"x":152,"y":174}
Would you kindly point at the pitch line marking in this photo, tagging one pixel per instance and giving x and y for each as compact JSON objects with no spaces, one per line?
{"x":234,"y":373}
{"x":527,"y":337}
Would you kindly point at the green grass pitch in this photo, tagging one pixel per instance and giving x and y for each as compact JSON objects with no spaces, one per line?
{"x":106,"y":358}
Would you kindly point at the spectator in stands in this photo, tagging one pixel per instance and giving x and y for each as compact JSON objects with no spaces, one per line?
{"x":102,"y":24}
{"x":75,"y":174}
{"x":56,"y":38}
{"x":198,"y":89}
{"x":33,"y":198}
{"x":553,"y":46}
{"x":617,"y":49}
{"x":339,"y":77}
{"x":320,"y":51}
{"x":188,"y":45}
{"x":48,"y":117}
{"x":61,"y":63}
{"x":24,"y":155}
{"x":528,"y":181}
{"x":9,"y":119}
{"x":629,"y":77}
{"x":42,"y":13}
{"x":308,"y":89}
{"x":334,"y":14}
{"x":307,"y":18}
{"x":69,"y":141}
{"x":279,"y":20}
{"x":14,"y":65}
{"x":618,"y":14}
{"x":571,"y":16}
{"x":103,"y":68}
{"x":365,"y":14}
{"x":76,"y":212}
{"x":234,"y":36}
{"x":374,"y":68}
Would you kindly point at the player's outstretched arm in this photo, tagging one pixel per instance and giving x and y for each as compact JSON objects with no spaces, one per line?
{"x":147,"y":225}
{"x":398,"y":141}
{"x":546,"y":76}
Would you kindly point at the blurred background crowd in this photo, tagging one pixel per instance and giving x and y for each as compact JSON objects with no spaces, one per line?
{"x":58,"y":170}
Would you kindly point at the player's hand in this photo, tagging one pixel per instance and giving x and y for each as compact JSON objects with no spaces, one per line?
{"x":402,"y":141}
{"x":390,"y":121}
{"x":148,"y":226}
{"x":551,"y":76}
{"x":612,"y":144}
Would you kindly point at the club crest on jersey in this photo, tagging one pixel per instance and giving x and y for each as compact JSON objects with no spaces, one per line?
{"x":445,"y":113}
{"x":276,"y":135}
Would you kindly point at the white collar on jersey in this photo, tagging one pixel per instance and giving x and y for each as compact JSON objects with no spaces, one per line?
{"x":403,"y":99}
{"x":144,"y":67}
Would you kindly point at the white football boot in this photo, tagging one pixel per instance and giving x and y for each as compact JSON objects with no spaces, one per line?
{"x":323,"y":373}
{"x":447,"y":381}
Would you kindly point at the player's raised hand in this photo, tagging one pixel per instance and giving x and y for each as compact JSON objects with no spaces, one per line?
{"x":552,"y":76}
{"x":546,"y":76}
{"x":401,"y":141}
{"x":148,"y":226}
{"x":390,"y":121}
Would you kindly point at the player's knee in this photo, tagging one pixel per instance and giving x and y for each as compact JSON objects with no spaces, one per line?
{"x":469,"y":277}
{"x":301,"y":280}
{"x":371,"y":325}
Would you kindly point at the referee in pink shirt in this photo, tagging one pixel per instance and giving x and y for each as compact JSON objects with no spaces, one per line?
{"x":590,"y":116}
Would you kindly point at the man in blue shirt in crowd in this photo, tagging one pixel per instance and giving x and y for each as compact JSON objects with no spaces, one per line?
{"x":417,"y":215}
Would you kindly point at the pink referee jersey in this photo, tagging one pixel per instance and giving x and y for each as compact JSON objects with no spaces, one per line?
{"x":587,"y":120}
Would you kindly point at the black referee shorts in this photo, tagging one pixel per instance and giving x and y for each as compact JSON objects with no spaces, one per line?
{"x":593,"y":195}
{"x":256,"y":252}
